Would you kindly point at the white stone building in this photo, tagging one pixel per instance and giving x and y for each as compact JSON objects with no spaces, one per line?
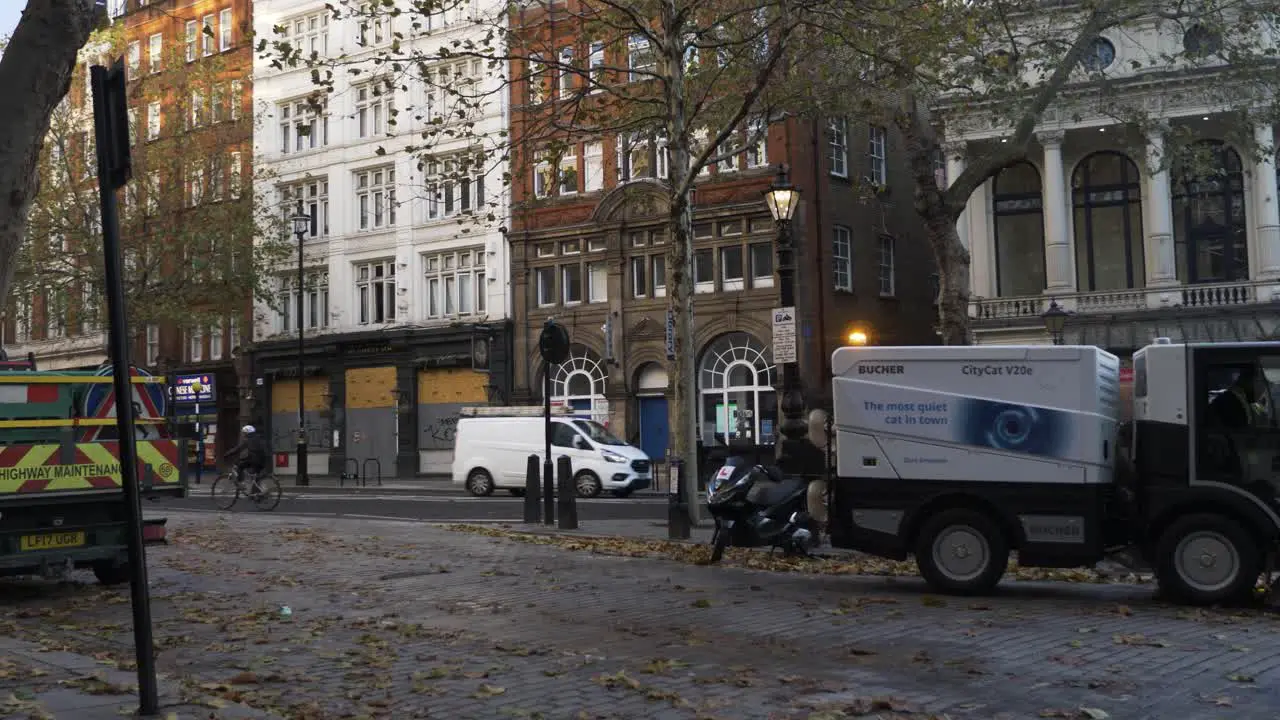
{"x":1132,"y":248}
{"x":408,"y":297}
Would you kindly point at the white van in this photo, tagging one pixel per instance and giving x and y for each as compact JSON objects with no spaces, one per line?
{"x":493,"y":452}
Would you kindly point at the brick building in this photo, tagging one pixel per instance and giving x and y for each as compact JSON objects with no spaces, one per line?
{"x":588,"y":248}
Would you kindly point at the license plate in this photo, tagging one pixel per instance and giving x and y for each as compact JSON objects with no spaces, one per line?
{"x":51,"y":541}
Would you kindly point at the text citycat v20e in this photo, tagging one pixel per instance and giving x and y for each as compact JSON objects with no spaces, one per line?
{"x":959,"y":455}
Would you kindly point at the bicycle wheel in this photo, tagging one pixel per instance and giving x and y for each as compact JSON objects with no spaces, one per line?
{"x":269,"y":493}
{"x":225,"y":492}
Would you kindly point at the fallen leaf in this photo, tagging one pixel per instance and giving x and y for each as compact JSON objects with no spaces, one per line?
{"x":1094,"y":713}
{"x":931,"y":601}
{"x":487,"y":691}
{"x":701,"y":603}
{"x":1240,"y":678}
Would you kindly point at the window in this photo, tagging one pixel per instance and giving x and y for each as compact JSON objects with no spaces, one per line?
{"x":731,"y":270}
{"x":215,"y":342}
{"x":376,"y":198}
{"x":191,"y":41}
{"x":314,"y":196}
{"x":640,"y":61}
{"x":155,"y":49}
{"x":639,"y":277}
{"x":153,"y":344}
{"x":1019,"y":231}
{"x":842,"y":258}
{"x":876,"y":155}
{"x":237,"y":92}
{"x":704,"y":274}
{"x":455,"y":283}
{"x":195,"y":185}
{"x":1107,"y":195}
{"x":153,"y":192}
{"x":376,"y":292}
{"x":458,"y":190}
{"x":1210,"y":234}
{"x":233,"y":333}
{"x":224,"y":29}
{"x":373,"y":26}
{"x":566,"y":72}
{"x":310,"y":34}
{"x":1099,"y":55}
{"x":641,"y":156}
{"x":838,"y":147}
{"x":207,"y":36}
{"x":237,"y":165}
{"x":311,"y":308}
{"x":197,"y":109}
{"x":757,"y":139}
{"x":659,"y":276}
{"x":568,"y":173}
{"x":888,"y":275}
{"x":543,"y":178}
{"x":135,"y":58}
{"x":571,"y":283}
{"x":593,"y":166}
{"x":538,"y":89}
{"x":375,"y":107}
{"x":546,"y":281}
{"x":761,"y":265}
{"x":303,"y":126}
{"x":195,"y":345}
{"x":597,"y":282}
{"x":218,"y":104}
{"x":595,"y":61}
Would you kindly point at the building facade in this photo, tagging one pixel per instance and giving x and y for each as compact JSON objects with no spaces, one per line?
{"x":188,"y":65}
{"x":589,"y":243}
{"x":406,"y":303}
{"x":1134,"y":244}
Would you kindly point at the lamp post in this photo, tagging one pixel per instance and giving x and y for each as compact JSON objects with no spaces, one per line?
{"x":783,"y":199}
{"x":301,"y":224}
{"x":1055,"y":321}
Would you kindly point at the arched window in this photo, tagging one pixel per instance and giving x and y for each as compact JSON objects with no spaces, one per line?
{"x":736,"y":381}
{"x":1019,"y":231}
{"x":579,"y":383}
{"x":1107,"y":194}
{"x":1208,"y":216}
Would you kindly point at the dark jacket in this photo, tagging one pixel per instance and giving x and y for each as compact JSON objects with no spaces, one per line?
{"x":252,"y":450}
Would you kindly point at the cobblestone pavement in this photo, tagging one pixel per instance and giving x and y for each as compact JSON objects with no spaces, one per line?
{"x":407,"y":620}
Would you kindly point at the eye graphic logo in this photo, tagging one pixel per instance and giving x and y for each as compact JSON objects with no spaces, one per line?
{"x":1015,"y":428}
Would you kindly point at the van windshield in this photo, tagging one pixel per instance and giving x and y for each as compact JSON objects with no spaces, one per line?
{"x":597,"y":432}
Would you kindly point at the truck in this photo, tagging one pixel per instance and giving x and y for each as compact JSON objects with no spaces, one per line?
{"x":960,"y":455}
{"x":62,"y":504}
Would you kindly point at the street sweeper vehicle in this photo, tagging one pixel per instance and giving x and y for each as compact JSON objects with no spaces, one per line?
{"x":961,"y":455}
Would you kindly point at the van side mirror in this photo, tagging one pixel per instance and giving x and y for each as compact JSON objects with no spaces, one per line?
{"x":581,"y":443}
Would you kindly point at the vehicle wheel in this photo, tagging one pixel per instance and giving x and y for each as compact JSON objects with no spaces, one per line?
{"x":719,"y":541}
{"x":225,"y":492}
{"x":621,"y":493}
{"x":587,"y":484}
{"x":109,"y":573}
{"x":480,"y":483}
{"x":516,"y":492}
{"x":962,"y":551}
{"x":270,"y":495}
{"x":1207,"y":559}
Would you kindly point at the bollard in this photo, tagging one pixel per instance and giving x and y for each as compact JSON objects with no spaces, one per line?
{"x":548,"y":492}
{"x":531,"y":485}
{"x":568,"y":494}
{"x":677,"y":504}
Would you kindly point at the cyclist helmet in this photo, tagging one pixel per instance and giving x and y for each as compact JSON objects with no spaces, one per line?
{"x":248,"y":430}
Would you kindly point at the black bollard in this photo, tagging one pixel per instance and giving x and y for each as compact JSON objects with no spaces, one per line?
{"x":532,"y":483}
{"x":677,"y":504}
{"x":568,"y":494}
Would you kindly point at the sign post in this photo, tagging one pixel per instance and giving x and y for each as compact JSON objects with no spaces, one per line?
{"x":111,"y":129}
{"x":195,"y":389}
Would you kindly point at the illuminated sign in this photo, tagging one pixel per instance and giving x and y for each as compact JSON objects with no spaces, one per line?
{"x":193,"y":388}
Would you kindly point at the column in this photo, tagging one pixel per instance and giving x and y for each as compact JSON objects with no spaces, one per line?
{"x":1266,"y":204}
{"x":1057,"y":246}
{"x":1158,"y":216}
{"x":955,"y":156}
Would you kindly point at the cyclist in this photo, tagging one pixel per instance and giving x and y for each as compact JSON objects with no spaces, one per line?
{"x":252,"y":450}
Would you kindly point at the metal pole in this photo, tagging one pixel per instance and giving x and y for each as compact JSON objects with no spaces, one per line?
{"x":792,"y":427}
{"x":548,"y":473}
{"x":199,"y":446}
{"x":303,"y":477}
{"x":117,"y":342}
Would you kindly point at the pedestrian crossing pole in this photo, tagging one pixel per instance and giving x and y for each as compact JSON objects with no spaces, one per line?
{"x":111,"y":130}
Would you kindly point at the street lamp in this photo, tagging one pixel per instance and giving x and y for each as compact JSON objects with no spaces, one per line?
{"x":301,"y":225}
{"x":783,"y":199}
{"x":1055,"y":321}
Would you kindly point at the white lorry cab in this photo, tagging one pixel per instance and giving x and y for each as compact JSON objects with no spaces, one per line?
{"x":960,"y":455}
{"x":493,"y":445}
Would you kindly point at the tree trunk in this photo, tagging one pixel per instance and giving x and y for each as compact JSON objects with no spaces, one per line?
{"x":35,"y":72}
{"x":684,"y":393}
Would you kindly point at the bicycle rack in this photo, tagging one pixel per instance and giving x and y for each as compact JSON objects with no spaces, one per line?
{"x":354,"y":474}
{"x":377,"y":468}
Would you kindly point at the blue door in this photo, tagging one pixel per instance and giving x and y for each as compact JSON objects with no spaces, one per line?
{"x":653,"y":427}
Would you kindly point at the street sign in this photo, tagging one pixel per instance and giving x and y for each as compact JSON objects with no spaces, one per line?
{"x":671,"y":335}
{"x":184,"y":387}
{"x":784,"y":335}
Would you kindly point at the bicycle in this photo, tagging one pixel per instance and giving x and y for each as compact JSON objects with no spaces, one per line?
{"x":264,"y":490}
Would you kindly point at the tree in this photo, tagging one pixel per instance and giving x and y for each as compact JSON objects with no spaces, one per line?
{"x":698,"y":79}
{"x":36,"y":69}
{"x":926,"y":67}
{"x":187,"y":217}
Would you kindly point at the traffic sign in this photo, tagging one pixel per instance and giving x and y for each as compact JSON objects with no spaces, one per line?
{"x":784,"y":335}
